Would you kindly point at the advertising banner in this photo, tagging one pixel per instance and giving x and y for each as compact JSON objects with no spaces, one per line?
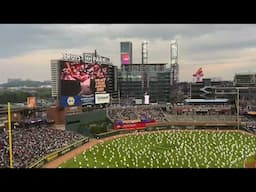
{"x":138,"y":101}
{"x":146,"y":99}
{"x":88,"y":99}
{"x":52,"y":156}
{"x":100,"y":85}
{"x":68,"y":101}
{"x":31,"y":102}
{"x":131,"y":126}
{"x":131,"y":121}
{"x":102,"y":98}
{"x":125,"y":58}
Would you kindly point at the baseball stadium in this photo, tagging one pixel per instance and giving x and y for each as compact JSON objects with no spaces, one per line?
{"x":96,"y":124}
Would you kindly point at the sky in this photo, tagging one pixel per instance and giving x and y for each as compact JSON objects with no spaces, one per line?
{"x":220,"y":49}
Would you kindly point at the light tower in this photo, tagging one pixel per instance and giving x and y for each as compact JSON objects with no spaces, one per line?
{"x":144,"y":52}
{"x":144,"y":57}
{"x":174,"y":66}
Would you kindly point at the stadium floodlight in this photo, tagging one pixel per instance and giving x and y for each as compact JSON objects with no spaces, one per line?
{"x":237,"y":104}
{"x":237,"y":98}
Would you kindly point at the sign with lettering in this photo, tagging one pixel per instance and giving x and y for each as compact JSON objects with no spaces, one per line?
{"x":102,"y":98}
{"x":86,"y":58}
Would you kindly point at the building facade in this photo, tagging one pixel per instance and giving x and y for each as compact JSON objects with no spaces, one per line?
{"x":208,"y":89}
{"x":246,"y":79}
{"x":137,"y":80}
{"x":55,"y":75}
{"x":126,"y":52}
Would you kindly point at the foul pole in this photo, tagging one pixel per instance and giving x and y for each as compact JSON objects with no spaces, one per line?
{"x":10,"y":135}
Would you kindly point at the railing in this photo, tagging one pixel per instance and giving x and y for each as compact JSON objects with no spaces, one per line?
{"x":58,"y":153}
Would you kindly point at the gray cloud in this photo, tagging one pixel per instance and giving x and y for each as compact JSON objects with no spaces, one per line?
{"x":20,"y":38}
{"x":199,"y":44}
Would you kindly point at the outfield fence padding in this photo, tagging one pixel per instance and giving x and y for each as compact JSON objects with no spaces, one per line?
{"x":58,"y":153}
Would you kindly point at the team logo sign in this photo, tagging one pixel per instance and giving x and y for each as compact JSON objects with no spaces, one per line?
{"x":71,"y":101}
{"x":68,"y":101}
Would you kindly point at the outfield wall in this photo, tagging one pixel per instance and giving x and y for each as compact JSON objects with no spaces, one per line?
{"x":58,"y":153}
{"x":168,"y":126}
{"x":84,"y":123}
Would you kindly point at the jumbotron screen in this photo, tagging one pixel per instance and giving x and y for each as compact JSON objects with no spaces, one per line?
{"x":83,"y":80}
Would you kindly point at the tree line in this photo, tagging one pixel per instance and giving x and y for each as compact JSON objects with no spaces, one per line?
{"x":28,"y":83}
{"x":21,"y":96}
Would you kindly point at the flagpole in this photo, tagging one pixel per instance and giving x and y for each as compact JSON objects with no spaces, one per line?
{"x":10,"y":135}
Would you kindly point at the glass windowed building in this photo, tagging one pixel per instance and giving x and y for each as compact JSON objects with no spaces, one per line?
{"x":136,"y":80}
{"x":126,"y":52}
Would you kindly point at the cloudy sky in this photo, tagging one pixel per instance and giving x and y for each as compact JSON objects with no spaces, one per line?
{"x":220,"y":49}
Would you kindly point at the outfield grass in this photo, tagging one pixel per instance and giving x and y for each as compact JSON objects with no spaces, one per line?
{"x":181,"y":149}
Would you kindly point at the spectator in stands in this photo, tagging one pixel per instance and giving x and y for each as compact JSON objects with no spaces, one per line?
{"x":31,"y":144}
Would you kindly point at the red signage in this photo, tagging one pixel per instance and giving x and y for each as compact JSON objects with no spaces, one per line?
{"x":131,"y":126}
{"x":125,"y":58}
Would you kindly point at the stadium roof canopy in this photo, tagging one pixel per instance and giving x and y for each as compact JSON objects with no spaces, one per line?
{"x":206,"y":100}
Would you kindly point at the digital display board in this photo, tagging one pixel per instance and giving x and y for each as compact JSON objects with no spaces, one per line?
{"x":83,"y":80}
{"x":102,"y":98}
{"x":31,"y":102}
{"x":146,"y":99}
{"x":125,"y":58}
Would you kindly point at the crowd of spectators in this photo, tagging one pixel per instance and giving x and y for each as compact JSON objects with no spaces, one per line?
{"x":200,"y":118}
{"x":249,"y":123}
{"x":31,"y":144}
{"x":201,"y":109}
{"x":137,"y":113}
{"x":200,"y":113}
{"x":165,"y":113}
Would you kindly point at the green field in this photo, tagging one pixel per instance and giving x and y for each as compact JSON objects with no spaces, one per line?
{"x":180,"y":149}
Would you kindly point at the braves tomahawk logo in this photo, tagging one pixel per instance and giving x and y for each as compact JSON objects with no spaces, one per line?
{"x":198,"y":74}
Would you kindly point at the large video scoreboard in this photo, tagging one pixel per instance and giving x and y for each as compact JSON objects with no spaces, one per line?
{"x":83,"y":82}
